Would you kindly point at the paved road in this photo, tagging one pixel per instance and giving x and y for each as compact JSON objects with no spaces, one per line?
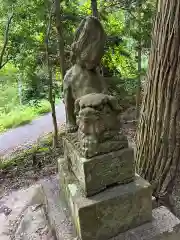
{"x":17,"y":137}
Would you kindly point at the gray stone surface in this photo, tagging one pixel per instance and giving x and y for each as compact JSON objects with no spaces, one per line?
{"x":89,"y":146}
{"x":57,"y":211}
{"x":90,"y":109}
{"x":82,"y":78}
{"x":110,"y":212}
{"x":99,"y":172}
{"x":34,"y":225}
{"x":98,"y":124}
{"x":165,"y":226}
{"x":22,"y":215}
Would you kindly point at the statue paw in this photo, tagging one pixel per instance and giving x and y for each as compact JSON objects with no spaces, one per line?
{"x":71,"y":128}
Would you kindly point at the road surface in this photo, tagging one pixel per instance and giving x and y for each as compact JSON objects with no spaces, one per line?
{"x":18,"y":137}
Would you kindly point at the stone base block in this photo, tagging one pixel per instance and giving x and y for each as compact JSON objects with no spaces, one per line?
{"x":97,"y":173}
{"x":164,"y":226}
{"x":110,"y":212}
{"x":90,"y":146}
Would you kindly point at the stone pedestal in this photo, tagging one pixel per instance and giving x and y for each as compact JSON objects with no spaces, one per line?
{"x":164,"y":225}
{"x":103,"y":194}
{"x":108,"y":213}
{"x":97,"y":173}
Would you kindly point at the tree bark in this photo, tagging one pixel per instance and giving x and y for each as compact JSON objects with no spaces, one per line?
{"x":60,"y":38}
{"x":6,"y":38}
{"x":138,"y":90}
{"x":51,"y":95}
{"x":139,"y":43}
{"x":94,"y":8}
{"x":158,"y":137}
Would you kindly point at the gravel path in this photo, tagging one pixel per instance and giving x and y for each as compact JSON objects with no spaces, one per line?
{"x":20,"y":137}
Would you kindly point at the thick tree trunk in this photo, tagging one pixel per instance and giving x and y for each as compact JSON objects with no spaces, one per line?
{"x":94,"y":8}
{"x":139,"y":43}
{"x":158,"y":137}
{"x":138,"y":90}
{"x":60,"y":38}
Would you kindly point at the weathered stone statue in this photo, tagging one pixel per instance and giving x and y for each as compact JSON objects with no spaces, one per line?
{"x":82,"y":78}
{"x":98,"y":124}
{"x":89,"y":108}
{"x":97,"y":173}
{"x":104,"y":196}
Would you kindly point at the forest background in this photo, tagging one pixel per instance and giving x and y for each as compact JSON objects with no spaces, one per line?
{"x":24,"y":75}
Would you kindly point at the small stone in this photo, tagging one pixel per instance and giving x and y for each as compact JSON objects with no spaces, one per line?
{"x":6,"y":210}
{"x":35,"y":207}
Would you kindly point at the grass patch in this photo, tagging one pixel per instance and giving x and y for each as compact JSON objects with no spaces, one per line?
{"x":22,"y":115}
{"x":39,"y":151}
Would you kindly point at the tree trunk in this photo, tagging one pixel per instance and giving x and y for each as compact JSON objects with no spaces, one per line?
{"x":60,"y":38}
{"x":138,"y":90}
{"x":139,"y":43}
{"x":158,"y":137}
{"x":94,"y":8}
{"x":19,"y":80}
{"x":6,"y":38}
{"x":53,"y":109}
{"x":51,"y":95}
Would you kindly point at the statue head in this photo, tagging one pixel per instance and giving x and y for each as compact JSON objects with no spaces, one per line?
{"x":88,"y":45}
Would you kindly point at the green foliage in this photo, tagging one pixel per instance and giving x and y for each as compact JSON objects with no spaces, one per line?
{"x":26,"y":44}
{"x":118,"y":56}
{"x":121,"y":18}
{"x":133,"y":21}
{"x":8,"y":97}
{"x":8,"y":89}
{"x":12,"y":113}
{"x":21,"y":115}
{"x":126,"y":22}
